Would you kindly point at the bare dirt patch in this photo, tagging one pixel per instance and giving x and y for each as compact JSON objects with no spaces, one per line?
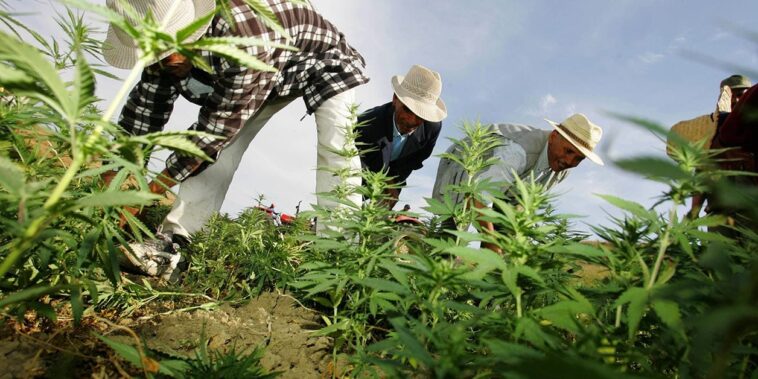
{"x":34,"y":348}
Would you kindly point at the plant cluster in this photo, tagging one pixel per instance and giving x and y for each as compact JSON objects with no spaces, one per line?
{"x":666,"y":298}
{"x":658,"y":296}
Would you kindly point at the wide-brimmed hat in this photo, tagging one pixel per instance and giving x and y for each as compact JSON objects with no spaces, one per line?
{"x":737,"y":82}
{"x":420,"y":91}
{"x":121,"y":51}
{"x":582,"y":133}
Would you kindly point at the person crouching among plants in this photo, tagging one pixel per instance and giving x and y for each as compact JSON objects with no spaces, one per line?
{"x":235,"y":102}
{"x":519,"y":151}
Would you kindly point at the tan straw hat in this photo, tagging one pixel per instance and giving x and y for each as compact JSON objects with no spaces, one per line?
{"x":121,"y":51}
{"x":420,"y":91}
{"x":582,"y":133}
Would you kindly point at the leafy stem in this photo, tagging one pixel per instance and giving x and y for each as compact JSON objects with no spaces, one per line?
{"x":662,"y":249}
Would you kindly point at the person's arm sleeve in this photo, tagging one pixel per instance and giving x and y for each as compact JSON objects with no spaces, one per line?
{"x":149,"y":104}
{"x":237,"y":95}
{"x":510,"y":163}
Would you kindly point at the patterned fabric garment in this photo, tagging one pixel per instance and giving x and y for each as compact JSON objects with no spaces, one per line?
{"x":324,"y":66}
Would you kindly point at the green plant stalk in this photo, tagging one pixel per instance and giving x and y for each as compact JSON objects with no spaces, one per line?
{"x":77,"y":161}
{"x":661,"y":250}
{"x":25,"y":243}
{"x":80,"y":156}
{"x":617,"y":324}
{"x":518,"y":305}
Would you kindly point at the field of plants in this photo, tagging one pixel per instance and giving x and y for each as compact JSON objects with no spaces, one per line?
{"x":656,"y":295}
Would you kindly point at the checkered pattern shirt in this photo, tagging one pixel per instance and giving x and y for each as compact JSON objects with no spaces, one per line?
{"x":324,"y":66}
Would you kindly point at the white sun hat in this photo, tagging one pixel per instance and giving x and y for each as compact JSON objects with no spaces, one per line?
{"x":121,"y":51}
{"x":420,"y":91}
{"x":582,"y":133}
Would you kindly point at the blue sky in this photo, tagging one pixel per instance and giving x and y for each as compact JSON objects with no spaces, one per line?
{"x":512,"y":61}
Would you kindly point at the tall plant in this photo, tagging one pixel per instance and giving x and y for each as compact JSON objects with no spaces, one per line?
{"x":43,"y":211}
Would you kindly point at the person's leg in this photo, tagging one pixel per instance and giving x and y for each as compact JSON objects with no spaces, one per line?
{"x":201,"y":196}
{"x":332,"y":119}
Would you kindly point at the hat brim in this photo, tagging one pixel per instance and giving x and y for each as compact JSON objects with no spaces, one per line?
{"x":120,"y":55}
{"x":429,"y":112}
{"x":587,"y":152}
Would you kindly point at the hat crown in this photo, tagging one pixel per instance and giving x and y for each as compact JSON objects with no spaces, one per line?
{"x":423,"y":83}
{"x":582,"y":130}
{"x":736,"y":82}
{"x":121,"y":50}
{"x":158,"y":8}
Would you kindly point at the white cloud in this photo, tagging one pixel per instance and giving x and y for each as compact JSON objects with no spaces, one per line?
{"x":650,"y":57}
{"x":546,"y":102}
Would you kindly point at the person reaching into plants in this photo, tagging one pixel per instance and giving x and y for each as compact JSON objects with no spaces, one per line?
{"x":522,"y":152}
{"x":400,"y":135}
{"x":235,"y":102}
{"x":703,"y":128}
{"x":737,"y":134}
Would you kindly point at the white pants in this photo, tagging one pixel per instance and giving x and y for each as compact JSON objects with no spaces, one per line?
{"x":201,"y":196}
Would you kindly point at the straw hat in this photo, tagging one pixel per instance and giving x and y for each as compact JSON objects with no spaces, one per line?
{"x":121,"y":51}
{"x":420,"y":91}
{"x":582,"y":133}
{"x":737,"y":82}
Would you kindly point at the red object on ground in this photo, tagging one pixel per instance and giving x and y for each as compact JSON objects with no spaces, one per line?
{"x":287,"y":219}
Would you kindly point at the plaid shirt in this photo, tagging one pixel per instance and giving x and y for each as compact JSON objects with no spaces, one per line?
{"x":324,"y":66}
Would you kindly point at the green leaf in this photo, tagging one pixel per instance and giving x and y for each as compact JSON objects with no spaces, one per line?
{"x":77,"y":306}
{"x":83,"y":87}
{"x":14,"y":77}
{"x":190,"y":29}
{"x":579,"y":249}
{"x":325,"y":331}
{"x":31,"y":61}
{"x":630,"y":206}
{"x":653,"y":167}
{"x":669,"y":313}
{"x":415,"y":349}
{"x":668,"y":271}
{"x":563,"y":314}
{"x":531,"y":273}
{"x":132,"y":355}
{"x":267,"y":16}
{"x":11,"y":177}
{"x":510,"y":277}
{"x":637,"y":299}
{"x":240,"y":41}
{"x":116,"y":199}
{"x":180,"y":144}
{"x":647,"y":124}
{"x":384,"y":285}
{"x":485,"y":258}
{"x":32,"y":293}
{"x":240,"y":57}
